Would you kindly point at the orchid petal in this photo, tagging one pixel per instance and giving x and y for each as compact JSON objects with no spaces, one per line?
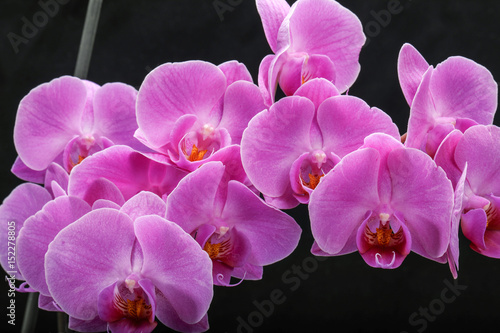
{"x":242,"y":101}
{"x":272,"y":233}
{"x":114,"y":114}
{"x":263,"y":80}
{"x":184,"y":277}
{"x":422,"y":114}
{"x":345,"y":121}
{"x":235,"y":71}
{"x":38,"y":231}
{"x":81,"y":262}
{"x":480,"y":149}
{"x":193,"y":202}
{"x":272,"y":14}
{"x":422,"y":193}
{"x":462,"y":88}
{"x":317,"y":90}
{"x":168,"y":316}
{"x":24,"y":201}
{"x":129,"y":170}
{"x":411,"y":69}
{"x":144,"y":203}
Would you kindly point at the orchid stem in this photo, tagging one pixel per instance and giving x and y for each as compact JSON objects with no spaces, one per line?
{"x":88,"y":36}
{"x":30,"y":314}
{"x":62,"y":322}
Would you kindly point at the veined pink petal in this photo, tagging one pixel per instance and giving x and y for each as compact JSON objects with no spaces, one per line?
{"x":422,"y":114}
{"x":235,"y":71}
{"x":474,"y":226}
{"x":422,"y":193}
{"x":184,"y":276}
{"x":340,"y":202}
{"x":38,"y":231}
{"x":325,"y":27}
{"x":81,"y":262}
{"x":56,"y":180}
{"x":144,"y":203}
{"x":273,"y":234}
{"x":21,"y":171}
{"x":411,"y":69}
{"x":453,"y":251}
{"x":384,"y":144}
{"x":167,"y":315}
{"x":174,"y":89}
{"x":24,"y":201}
{"x":47,"y":118}
{"x":462,"y":88}
{"x":272,"y":14}
{"x":318,"y":66}
{"x":345,"y":121}
{"x":196,"y":201}
{"x":242,"y":101}
{"x":92,"y":325}
{"x":114,"y":114}
{"x":445,"y":157}
{"x":480,"y":149}
{"x":273,"y":140}
{"x":87,"y":121}
{"x":317,"y":90}
{"x":263,"y":80}
{"x":129,"y":170}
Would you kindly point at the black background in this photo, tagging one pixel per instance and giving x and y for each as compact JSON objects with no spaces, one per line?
{"x":341,"y":294}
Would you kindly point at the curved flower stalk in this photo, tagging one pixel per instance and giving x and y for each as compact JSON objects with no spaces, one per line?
{"x":383,"y":200}
{"x":194,"y":111}
{"x":239,"y":231}
{"x":457,"y":94}
{"x":312,"y":39}
{"x":119,"y":269}
{"x":288,"y":148}
{"x":478,"y":150}
{"x":68,"y":119}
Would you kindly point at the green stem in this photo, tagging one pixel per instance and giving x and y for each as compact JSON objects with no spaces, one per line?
{"x":88,"y":36}
{"x":30,"y":314}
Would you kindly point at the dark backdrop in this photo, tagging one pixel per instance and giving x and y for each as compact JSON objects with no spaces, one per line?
{"x":340,"y":294}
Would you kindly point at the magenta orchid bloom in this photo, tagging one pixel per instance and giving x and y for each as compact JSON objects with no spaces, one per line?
{"x":458,"y":93}
{"x":478,"y":149}
{"x":122,"y":268}
{"x":239,"y":231}
{"x":68,"y":119}
{"x":312,"y":39}
{"x":193,"y":111}
{"x":288,"y":148}
{"x":383,"y":200}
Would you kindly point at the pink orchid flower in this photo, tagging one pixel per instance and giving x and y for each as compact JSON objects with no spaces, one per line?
{"x":68,"y":119}
{"x":383,"y":200}
{"x":239,"y":231}
{"x":119,"y":269}
{"x":193,"y":111}
{"x":288,"y":148}
{"x":478,"y":150}
{"x":312,"y":39}
{"x":457,"y":94}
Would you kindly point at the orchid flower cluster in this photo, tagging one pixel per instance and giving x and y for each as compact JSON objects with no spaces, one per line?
{"x":138,"y":202}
